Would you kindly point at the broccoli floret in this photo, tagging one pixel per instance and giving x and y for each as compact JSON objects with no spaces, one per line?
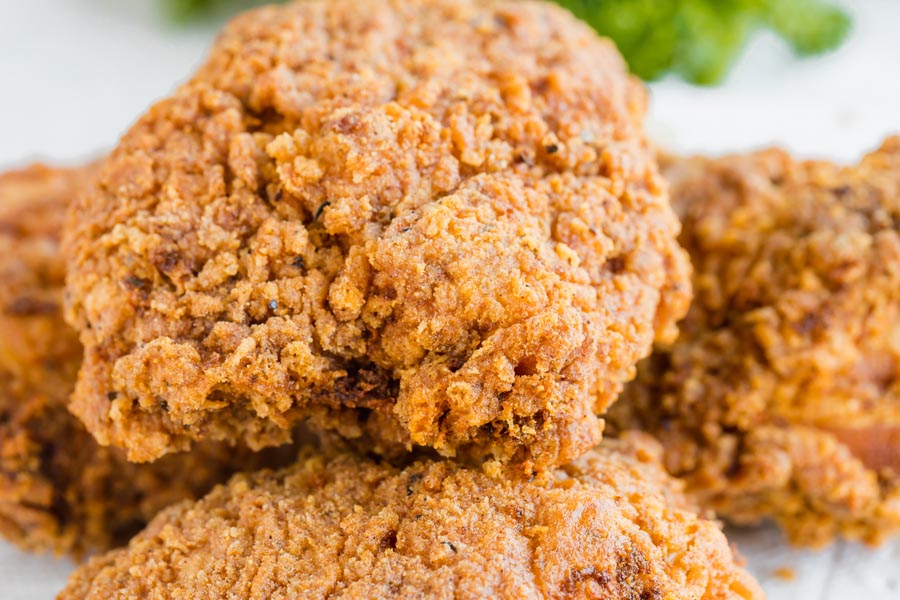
{"x":700,"y":39}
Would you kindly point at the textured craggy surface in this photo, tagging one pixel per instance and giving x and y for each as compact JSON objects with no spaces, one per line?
{"x":60,"y":491}
{"x":610,"y":525}
{"x":781,"y":398}
{"x":434,"y":221}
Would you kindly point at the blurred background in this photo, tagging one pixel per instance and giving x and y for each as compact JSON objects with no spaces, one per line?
{"x":75,"y":73}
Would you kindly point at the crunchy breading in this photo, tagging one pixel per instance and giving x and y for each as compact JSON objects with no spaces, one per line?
{"x":60,"y":491}
{"x":781,"y":398}
{"x":611,"y":525}
{"x":434,"y":222}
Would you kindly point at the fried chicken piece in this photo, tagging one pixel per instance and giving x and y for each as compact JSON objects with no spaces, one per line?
{"x":60,"y":491}
{"x":435,"y":222}
{"x":611,"y":525}
{"x":781,"y":398}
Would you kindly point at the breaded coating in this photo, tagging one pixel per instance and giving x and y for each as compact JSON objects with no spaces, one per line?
{"x":781,"y":398}
{"x":611,"y":525}
{"x":437,"y":222}
{"x":60,"y":491}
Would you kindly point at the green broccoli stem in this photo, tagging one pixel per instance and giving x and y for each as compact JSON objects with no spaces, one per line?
{"x":189,"y":11}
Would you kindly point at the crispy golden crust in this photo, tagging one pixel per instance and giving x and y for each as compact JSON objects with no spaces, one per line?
{"x":611,"y":525}
{"x":436,"y":221}
{"x":781,"y":398}
{"x":60,"y":491}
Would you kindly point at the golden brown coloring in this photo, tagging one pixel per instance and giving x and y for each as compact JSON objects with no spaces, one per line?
{"x":611,"y":525}
{"x":435,"y":222}
{"x":781,"y":398}
{"x":60,"y":491}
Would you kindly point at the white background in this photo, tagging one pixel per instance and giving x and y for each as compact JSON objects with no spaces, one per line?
{"x":75,"y":73}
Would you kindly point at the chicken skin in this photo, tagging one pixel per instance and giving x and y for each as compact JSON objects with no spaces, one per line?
{"x":59,"y":490}
{"x":611,"y":525}
{"x":781,"y":397}
{"x":430,"y":223}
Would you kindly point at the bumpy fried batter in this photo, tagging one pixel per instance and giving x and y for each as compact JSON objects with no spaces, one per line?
{"x":434,"y":221}
{"x":612,"y":525}
{"x":59,"y":490}
{"x":781,"y":398}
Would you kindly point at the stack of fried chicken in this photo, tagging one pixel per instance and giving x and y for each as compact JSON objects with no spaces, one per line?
{"x":353,"y":304}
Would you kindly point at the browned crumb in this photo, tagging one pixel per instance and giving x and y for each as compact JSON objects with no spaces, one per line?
{"x":59,"y":491}
{"x":437,"y":222}
{"x":785,"y":573}
{"x":611,"y":525}
{"x":781,"y":398}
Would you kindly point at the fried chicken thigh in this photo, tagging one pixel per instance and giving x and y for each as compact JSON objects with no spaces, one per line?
{"x":433,"y":223}
{"x":781,"y":398}
{"x":611,"y":525}
{"x":59,"y":490}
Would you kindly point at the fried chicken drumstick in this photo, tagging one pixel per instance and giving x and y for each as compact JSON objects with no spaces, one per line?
{"x":59,"y":490}
{"x":435,"y":223}
{"x":611,"y":525}
{"x":781,"y":398}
